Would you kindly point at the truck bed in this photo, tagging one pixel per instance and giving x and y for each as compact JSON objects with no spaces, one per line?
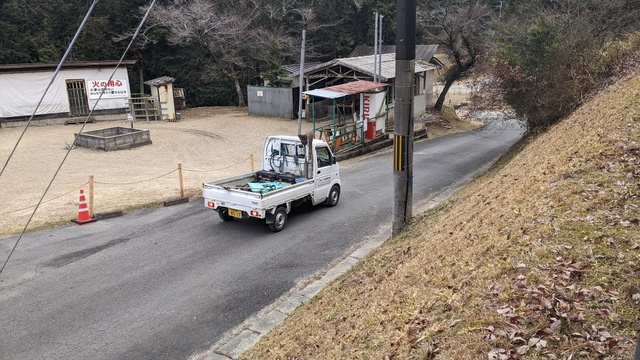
{"x":235,"y":193}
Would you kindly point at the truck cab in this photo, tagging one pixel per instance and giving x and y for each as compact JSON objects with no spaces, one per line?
{"x":288,"y":155}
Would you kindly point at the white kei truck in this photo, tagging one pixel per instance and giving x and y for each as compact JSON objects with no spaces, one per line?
{"x":295,"y":170}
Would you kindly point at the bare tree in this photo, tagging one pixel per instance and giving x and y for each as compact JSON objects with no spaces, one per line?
{"x":553,"y":54}
{"x":234,"y":39}
{"x":461,"y":27}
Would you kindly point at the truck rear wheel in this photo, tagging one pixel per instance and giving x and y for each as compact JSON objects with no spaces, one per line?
{"x":224,"y":214}
{"x":334,"y":196}
{"x":279,"y":219}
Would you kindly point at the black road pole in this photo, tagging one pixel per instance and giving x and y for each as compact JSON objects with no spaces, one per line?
{"x":403,"y":114}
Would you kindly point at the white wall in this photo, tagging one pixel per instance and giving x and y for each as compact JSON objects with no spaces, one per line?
{"x":20,"y":92}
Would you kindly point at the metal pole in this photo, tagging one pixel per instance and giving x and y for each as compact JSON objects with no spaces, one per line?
{"x":380,"y":49}
{"x":304,"y":35}
{"x":403,"y":114}
{"x":375,"y":48}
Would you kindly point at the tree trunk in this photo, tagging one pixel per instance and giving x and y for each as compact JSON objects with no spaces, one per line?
{"x":236,"y":82}
{"x":443,"y":94}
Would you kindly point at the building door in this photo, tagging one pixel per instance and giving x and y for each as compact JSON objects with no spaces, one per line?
{"x":77,"y":93}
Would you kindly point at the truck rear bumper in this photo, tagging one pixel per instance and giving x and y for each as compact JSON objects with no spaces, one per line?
{"x":246,"y":211}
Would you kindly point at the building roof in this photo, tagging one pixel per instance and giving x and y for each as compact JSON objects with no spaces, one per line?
{"x":350,"y":88}
{"x":295,"y":68}
{"x":9,"y":68}
{"x":364,"y":64}
{"x":423,"y":52}
{"x":160,"y":81}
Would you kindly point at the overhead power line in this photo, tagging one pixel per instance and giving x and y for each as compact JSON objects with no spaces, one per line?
{"x":55,"y":74}
{"x":84,"y":123}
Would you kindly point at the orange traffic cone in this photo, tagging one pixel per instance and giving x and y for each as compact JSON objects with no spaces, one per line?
{"x":83,"y":211}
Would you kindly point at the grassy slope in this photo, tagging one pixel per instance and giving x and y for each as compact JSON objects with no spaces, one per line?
{"x":539,"y":258}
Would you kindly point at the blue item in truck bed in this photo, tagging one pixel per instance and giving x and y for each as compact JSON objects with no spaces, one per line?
{"x":300,"y":179}
{"x":265,"y":187}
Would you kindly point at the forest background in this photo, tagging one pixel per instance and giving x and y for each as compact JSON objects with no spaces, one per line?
{"x":540,"y":57}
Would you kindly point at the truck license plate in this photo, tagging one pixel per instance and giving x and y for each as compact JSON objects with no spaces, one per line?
{"x":235,"y":213}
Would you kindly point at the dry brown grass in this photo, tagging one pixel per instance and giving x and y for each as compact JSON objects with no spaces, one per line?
{"x":539,"y":258}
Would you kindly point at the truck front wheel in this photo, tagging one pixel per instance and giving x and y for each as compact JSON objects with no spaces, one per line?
{"x":224,"y":214}
{"x":279,"y":219}
{"x":334,"y":196}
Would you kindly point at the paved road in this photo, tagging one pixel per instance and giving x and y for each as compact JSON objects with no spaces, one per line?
{"x":168,"y":283}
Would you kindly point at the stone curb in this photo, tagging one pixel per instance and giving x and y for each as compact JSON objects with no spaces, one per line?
{"x":177,"y":201}
{"x":107,"y":215}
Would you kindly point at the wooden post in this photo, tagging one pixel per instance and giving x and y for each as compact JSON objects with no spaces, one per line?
{"x":181,"y":182}
{"x":251,"y":161}
{"x":91,"y":196}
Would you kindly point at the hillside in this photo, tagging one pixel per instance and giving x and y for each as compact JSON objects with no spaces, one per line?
{"x":538,"y":258}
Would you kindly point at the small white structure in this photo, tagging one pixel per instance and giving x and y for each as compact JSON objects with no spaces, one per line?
{"x":162,"y":92}
{"x":75,"y":91}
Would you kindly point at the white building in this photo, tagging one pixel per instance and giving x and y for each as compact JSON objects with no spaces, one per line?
{"x":74,"y":93}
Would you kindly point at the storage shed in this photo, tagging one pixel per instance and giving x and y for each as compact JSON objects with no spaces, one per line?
{"x":75,"y":91}
{"x":162,"y":93}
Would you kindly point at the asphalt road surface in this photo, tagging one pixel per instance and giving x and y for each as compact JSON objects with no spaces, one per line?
{"x":168,"y":283}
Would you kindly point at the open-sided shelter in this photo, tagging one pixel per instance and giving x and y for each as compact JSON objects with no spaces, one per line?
{"x":359,"y":111}
{"x":339,"y":71}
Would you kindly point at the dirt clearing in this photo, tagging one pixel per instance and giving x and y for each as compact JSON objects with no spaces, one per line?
{"x":211,"y":143}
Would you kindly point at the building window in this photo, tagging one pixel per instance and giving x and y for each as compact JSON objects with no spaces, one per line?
{"x":77,"y":93}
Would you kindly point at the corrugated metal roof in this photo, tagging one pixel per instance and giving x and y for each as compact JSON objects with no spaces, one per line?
{"x":350,"y":88}
{"x":66,"y":65}
{"x":325,"y":94}
{"x":423,"y":52}
{"x":364,"y":64}
{"x":295,"y":68}
{"x":160,"y":81}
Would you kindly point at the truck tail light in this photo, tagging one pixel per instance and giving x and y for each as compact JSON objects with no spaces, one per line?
{"x":211,"y":204}
{"x":255,"y":213}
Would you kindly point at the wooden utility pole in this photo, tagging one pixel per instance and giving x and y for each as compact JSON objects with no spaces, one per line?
{"x":181,"y":180}
{"x":403,"y":114}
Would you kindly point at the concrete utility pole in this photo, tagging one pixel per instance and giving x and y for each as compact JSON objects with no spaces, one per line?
{"x":403,"y":114}
{"x":300,"y":99}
